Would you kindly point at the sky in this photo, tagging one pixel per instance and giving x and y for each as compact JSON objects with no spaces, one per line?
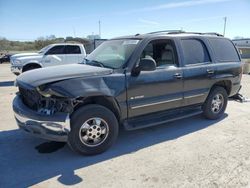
{"x":29,"y":19}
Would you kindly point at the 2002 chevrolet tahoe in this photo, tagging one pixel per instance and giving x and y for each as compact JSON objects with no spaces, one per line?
{"x":134,"y":81}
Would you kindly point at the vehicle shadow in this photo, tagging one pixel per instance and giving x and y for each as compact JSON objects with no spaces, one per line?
{"x":6,"y":83}
{"x":21,"y":165}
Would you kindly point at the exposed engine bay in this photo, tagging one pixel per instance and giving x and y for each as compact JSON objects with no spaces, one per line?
{"x":46,"y":105}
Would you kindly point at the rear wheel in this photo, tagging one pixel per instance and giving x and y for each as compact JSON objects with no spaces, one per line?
{"x":94,"y":129}
{"x":216,"y":103}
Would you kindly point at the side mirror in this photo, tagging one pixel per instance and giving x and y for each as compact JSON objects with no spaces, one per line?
{"x":147,"y":64}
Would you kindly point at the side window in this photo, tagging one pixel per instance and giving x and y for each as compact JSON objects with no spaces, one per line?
{"x":72,"y":49}
{"x":56,"y":50}
{"x":162,"y":51}
{"x":194,"y":51}
{"x":224,"y":50}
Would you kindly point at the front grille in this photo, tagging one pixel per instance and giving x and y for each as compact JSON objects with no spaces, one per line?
{"x":30,"y":98}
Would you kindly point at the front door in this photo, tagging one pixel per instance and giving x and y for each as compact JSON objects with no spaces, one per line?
{"x":157,"y":90}
{"x":54,"y":56}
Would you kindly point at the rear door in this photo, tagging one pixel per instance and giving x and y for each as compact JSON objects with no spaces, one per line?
{"x":228,"y":62}
{"x":73,"y":54}
{"x":54,"y":56}
{"x":198,"y":71}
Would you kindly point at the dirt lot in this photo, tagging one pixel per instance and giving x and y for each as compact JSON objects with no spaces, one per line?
{"x":189,"y":153}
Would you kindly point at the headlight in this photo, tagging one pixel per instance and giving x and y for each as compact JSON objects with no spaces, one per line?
{"x":48,"y":92}
{"x":44,"y":93}
{"x":17,"y":62}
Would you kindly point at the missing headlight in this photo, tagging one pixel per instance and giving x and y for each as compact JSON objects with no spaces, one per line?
{"x":49,"y":106}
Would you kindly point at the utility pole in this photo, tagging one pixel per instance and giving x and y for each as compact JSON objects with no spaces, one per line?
{"x":225,"y":24}
{"x":99,"y":28}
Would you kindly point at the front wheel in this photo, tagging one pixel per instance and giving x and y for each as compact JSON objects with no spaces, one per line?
{"x":216,"y":103}
{"x":94,"y":128}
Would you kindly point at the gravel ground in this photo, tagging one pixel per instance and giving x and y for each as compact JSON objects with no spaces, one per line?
{"x":192,"y":152}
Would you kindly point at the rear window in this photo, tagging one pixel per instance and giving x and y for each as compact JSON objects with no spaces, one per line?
{"x":224,"y":50}
{"x":72,"y":49}
{"x":194,"y":51}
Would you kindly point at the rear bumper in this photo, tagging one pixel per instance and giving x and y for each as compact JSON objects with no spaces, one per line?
{"x":16,"y":69}
{"x":51,"y":127}
{"x":235,"y":89}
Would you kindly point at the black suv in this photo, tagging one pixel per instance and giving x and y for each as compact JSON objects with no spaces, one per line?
{"x":5,"y":58}
{"x":134,"y":81}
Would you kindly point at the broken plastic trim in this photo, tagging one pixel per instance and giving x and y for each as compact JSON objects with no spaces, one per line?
{"x":239,"y":97}
{"x":49,"y":91}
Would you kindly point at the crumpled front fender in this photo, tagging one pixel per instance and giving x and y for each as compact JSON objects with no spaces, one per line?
{"x":109,"y":85}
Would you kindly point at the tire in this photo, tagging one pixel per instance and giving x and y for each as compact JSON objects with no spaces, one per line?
{"x":86,"y":123}
{"x":212,"y":108}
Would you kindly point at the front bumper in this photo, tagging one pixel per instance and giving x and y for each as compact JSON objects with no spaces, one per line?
{"x":51,"y":127}
{"x":16,"y":69}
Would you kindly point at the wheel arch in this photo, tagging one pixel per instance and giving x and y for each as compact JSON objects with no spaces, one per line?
{"x":226,"y":84}
{"x":35,"y":64}
{"x":106,"y":101}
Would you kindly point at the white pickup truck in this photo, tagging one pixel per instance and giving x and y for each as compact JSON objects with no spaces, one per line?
{"x":51,"y":55}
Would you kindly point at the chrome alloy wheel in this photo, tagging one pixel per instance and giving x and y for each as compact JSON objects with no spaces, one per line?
{"x":94,"y":132}
{"x":217,"y":103}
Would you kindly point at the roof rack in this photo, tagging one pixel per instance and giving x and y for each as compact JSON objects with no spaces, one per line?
{"x":184,"y":32}
{"x":212,"y":33}
{"x":167,"y":31}
{"x":207,"y":33}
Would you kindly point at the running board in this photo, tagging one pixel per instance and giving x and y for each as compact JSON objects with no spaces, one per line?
{"x":160,"y":118}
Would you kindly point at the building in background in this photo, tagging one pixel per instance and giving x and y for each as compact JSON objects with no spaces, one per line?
{"x":90,"y":43}
{"x":93,"y":44}
{"x":243,"y":46}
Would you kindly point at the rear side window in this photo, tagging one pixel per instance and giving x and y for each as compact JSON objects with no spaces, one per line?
{"x":224,"y":50}
{"x":194,"y":51}
{"x":72,"y":50}
{"x":55,"y":50}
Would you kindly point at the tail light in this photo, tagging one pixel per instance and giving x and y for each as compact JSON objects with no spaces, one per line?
{"x":242,"y":67}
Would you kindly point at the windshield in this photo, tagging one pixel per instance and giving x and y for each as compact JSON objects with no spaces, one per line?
{"x":44,"y":49}
{"x":112,"y":53}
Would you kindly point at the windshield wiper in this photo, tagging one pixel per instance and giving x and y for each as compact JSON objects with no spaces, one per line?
{"x":98,"y":63}
{"x":95,"y":62}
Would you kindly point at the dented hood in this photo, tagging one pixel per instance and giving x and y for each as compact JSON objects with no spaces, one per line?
{"x":42,"y":76}
{"x":23,"y":55}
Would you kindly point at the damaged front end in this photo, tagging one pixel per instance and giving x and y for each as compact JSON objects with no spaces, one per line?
{"x":43,"y":112}
{"x":46,"y":101}
{"x":47,"y":97}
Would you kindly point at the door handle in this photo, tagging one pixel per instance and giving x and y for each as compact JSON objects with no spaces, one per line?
{"x":210,"y":71}
{"x":178,"y":75}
